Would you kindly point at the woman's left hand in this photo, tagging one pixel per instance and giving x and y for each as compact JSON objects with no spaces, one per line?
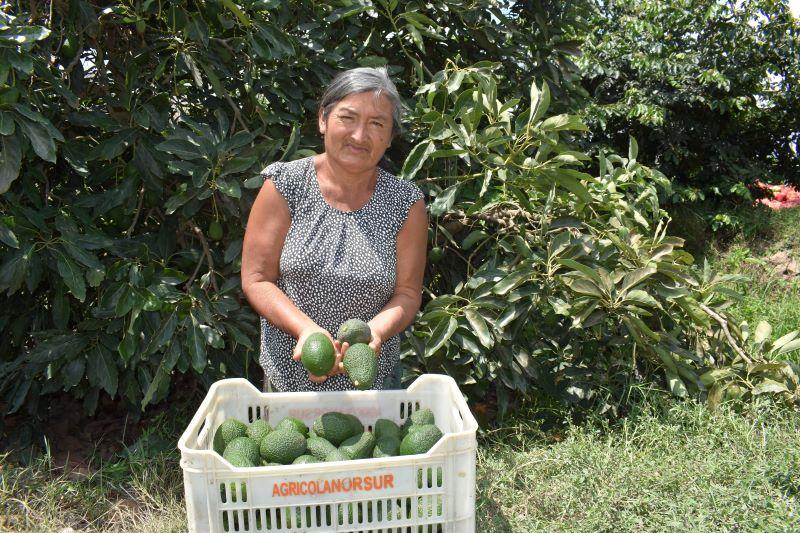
{"x":375,"y":343}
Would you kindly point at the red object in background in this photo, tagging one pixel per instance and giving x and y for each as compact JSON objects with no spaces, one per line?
{"x":779,"y":196}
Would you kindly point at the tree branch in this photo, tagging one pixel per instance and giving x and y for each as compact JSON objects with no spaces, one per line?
{"x":206,"y":255}
{"x":724,"y":324}
{"x":136,"y":216}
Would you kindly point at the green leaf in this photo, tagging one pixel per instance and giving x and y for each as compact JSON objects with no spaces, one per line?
{"x":57,"y":347}
{"x":717,"y":375}
{"x":348,"y":11}
{"x":72,"y":373}
{"x":212,"y":336}
{"x":41,"y":140}
{"x":633,"y":149}
{"x":763,"y":332}
{"x":479,"y":327}
{"x":7,"y":125}
{"x":786,"y":348}
{"x":768,"y":386}
{"x":23,"y":34}
{"x":584,"y":286}
{"x":181,"y":148}
{"x":238,"y":336}
{"x":635,"y":277}
{"x":127,"y":347}
{"x":163,"y":334}
{"x":7,"y":236}
{"x":233,"y":8}
{"x":237,"y":165}
{"x":786,"y":339}
{"x":580,"y":267}
{"x":213,"y":79}
{"x":196,"y":345}
{"x":101,"y":369}
{"x":19,"y":396}
{"x":229,"y":188}
{"x":440,"y":335}
{"x":113,"y":147}
{"x":12,"y":271}
{"x":416,"y":158}
{"x":641,"y":297}
{"x":444,"y":201}
{"x":676,"y":384}
{"x":159,"y":378}
{"x":510,"y":282}
{"x":10,"y":161}
{"x":72,"y":276}
{"x":61,"y":310}
{"x":540,"y":101}
{"x":564,"y":122}
{"x":473,"y":238}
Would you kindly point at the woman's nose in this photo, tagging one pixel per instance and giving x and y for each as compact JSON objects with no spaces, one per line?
{"x":359,"y":132}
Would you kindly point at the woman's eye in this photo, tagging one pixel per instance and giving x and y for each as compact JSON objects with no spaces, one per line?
{"x":378,"y":124}
{"x":346,"y":118}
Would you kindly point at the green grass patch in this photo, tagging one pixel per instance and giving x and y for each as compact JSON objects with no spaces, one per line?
{"x":673,"y":467}
{"x":141,"y":491}
{"x":763,"y":251}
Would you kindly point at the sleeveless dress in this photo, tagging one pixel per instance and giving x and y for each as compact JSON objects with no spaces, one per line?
{"x":335,"y":265}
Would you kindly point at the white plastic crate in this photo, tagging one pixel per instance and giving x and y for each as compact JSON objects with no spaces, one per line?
{"x":430,"y":493}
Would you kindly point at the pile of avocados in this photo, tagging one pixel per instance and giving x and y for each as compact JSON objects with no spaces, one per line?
{"x":333,"y":436}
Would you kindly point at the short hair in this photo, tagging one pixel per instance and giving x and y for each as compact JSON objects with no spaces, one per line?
{"x":362,"y":80}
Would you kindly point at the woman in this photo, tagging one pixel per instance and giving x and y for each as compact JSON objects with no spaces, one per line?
{"x":334,"y":237}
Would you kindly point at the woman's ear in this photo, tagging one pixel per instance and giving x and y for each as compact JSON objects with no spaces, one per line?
{"x":321,"y":120}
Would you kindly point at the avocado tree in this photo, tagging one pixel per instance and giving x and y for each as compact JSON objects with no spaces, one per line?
{"x":711,"y":90}
{"x":555,"y":279}
{"x":130,"y":135}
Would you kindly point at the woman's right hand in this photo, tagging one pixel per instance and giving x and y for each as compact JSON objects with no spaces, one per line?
{"x":298,"y":349}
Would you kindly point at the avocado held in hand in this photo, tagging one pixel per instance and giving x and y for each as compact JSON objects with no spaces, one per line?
{"x":354,"y":331}
{"x":318,"y":354}
{"x":361,"y":364}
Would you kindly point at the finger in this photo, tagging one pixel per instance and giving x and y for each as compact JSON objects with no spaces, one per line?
{"x":317,"y":379}
{"x":345,"y":346}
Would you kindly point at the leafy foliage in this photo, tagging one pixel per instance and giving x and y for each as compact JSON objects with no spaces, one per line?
{"x":558,"y":279}
{"x":709,"y":89}
{"x":131,"y":135}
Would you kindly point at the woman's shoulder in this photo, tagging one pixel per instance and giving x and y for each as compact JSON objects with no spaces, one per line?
{"x":290,"y":178}
{"x":281,"y":169}
{"x":400,"y":188}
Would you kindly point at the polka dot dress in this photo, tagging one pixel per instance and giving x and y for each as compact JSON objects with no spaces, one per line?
{"x":335,"y":265}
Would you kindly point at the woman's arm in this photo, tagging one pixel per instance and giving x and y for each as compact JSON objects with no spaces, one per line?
{"x":264,"y":236}
{"x":401,"y":309}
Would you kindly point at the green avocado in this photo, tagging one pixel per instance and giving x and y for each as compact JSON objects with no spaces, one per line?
{"x":354,"y":331}
{"x":318,"y":354}
{"x":420,"y":440}
{"x":226,"y":432}
{"x":361,"y":364}
{"x":283,"y":446}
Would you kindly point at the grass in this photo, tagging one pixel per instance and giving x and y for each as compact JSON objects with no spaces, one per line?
{"x":142,"y":491}
{"x":768,"y":295}
{"x":674,"y":466}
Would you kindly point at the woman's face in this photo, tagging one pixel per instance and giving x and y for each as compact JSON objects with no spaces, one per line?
{"x":357,"y":131}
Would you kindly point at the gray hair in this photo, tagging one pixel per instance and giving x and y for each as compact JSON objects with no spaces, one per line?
{"x":362,"y":80}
